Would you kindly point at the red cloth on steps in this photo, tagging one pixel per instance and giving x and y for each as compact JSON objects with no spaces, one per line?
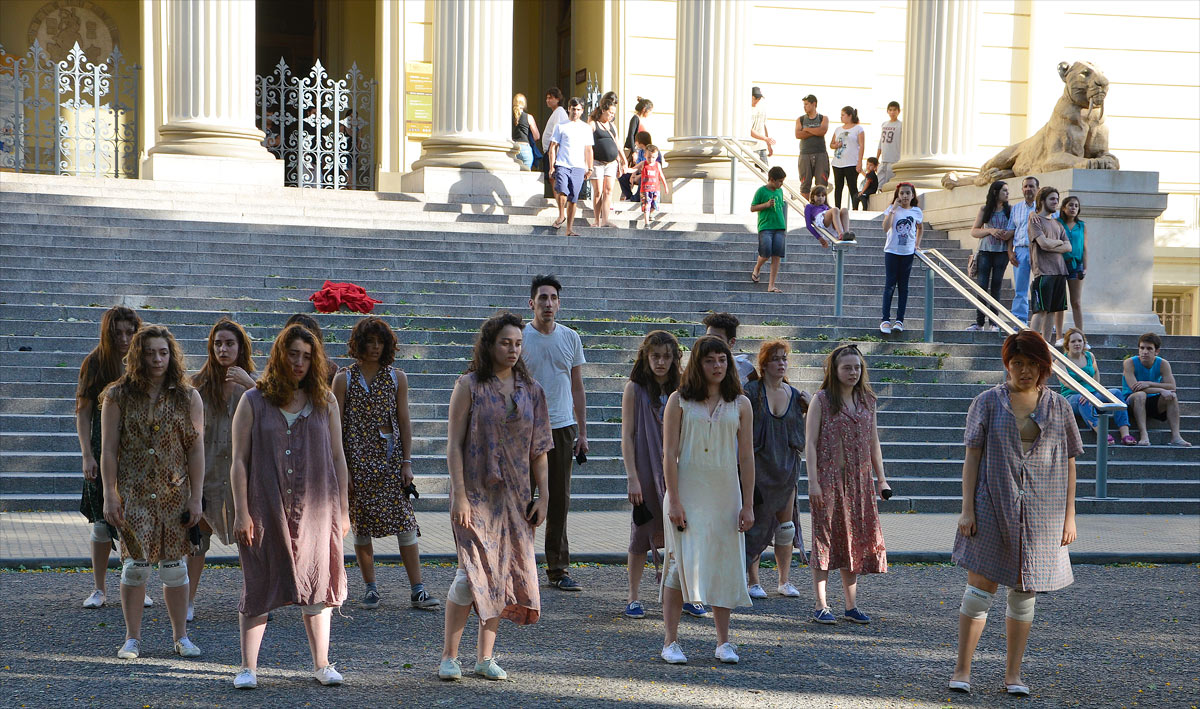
{"x":334,"y":295}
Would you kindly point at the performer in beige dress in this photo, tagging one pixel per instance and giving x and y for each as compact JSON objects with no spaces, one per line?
{"x":707,"y":436}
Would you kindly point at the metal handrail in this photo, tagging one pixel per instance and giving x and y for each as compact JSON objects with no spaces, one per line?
{"x":738,"y":152}
{"x":1078,"y":380}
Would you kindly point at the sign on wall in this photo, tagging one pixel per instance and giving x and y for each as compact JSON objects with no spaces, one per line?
{"x":418,"y":99}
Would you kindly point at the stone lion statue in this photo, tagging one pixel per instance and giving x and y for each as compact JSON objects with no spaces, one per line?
{"x":1074,"y":137}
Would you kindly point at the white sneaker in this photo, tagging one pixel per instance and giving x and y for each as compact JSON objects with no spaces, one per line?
{"x":973,"y":327}
{"x":95,"y":600}
{"x":245,"y":679}
{"x":328,"y":676}
{"x":789,"y":590}
{"x":673,"y":654}
{"x":191,"y":614}
{"x":184,"y":647}
{"x":756,"y":591}
{"x":885,"y":327}
{"x":727,"y":653}
{"x":130,"y":650}
{"x":898,"y":326}
{"x":1058,"y":343}
{"x":149,"y":602}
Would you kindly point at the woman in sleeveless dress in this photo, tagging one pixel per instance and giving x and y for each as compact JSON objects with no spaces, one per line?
{"x":101,"y":367}
{"x":498,"y":437}
{"x":1018,"y":503}
{"x":845,"y":474}
{"x":152,"y":465}
{"x":221,"y":382}
{"x":707,"y":436}
{"x":654,"y":377}
{"x":779,"y":410}
{"x":377,"y":440}
{"x":289,"y":484}
{"x":608,"y":160}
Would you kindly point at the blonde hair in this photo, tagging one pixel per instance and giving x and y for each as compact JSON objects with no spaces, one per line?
{"x":518,"y":107}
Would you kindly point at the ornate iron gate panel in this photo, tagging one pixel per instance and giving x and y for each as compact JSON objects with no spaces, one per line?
{"x":322,"y":129}
{"x":71,"y":117}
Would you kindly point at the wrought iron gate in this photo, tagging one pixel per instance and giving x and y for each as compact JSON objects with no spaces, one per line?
{"x":71,"y":117}
{"x":323,"y":129}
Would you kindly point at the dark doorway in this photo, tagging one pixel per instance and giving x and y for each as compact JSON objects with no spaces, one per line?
{"x":292,"y":29}
{"x":541,"y":51}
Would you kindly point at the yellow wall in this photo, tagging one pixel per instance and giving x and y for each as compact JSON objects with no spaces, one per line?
{"x":588,"y":18}
{"x":529,"y":54}
{"x":350,"y":37}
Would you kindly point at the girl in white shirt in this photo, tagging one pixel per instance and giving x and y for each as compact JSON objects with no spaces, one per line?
{"x":902,"y":222}
{"x":848,"y":144}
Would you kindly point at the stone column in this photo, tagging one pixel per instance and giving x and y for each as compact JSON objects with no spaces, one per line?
{"x":939,"y":91}
{"x":711,"y":94}
{"x":210,"y":135}
{"x":472,"y":87}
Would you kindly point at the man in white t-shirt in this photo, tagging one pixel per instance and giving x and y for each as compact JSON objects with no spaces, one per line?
{"x":558,"y":114}
{"x":888,"y":153}
{"x":553,"y":353}
{"x":764,"y":144}
{"x":570,"y":157}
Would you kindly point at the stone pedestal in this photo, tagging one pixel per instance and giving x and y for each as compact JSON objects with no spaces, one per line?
{"x":712,"y":98}
{"x":210,"y":134}
{"x":1119,"y":208}
{"x":939,"y":92}
{"x":472,"y":88}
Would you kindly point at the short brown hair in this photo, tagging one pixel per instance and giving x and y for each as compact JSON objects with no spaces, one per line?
{"x":725,"y":322}
{"x":1042,"y":194}
{"x":364,"y":330}
{"x":693,"y":387}
{"x":1150,"y":337}
{"x":1032,"y":345}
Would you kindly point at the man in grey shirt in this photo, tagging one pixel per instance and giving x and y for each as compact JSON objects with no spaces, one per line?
{"x":814,"y":161}
{"x":553,"y":353}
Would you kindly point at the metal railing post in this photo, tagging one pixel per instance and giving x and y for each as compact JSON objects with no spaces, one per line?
{"x":929,"y":286}
{"x":840,"y":258}
{"x":733,"y":163}
{"x":1102,"y":455}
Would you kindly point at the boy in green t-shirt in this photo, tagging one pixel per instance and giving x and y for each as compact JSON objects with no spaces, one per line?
{"x":772,"y":225}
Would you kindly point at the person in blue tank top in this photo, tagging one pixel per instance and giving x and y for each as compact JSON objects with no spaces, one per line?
{"x":1149,"y":389}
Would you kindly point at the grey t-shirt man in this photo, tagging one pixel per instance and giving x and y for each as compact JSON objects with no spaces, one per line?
{"x":550,"y":359}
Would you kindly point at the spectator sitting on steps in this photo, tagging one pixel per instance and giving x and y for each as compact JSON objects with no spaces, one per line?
{"x":1149,"y":389}
{"x":1075,"y":347}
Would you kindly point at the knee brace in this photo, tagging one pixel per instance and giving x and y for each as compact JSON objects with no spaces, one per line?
{"x":460,"y":590}
{"x":135,"y":573}
{"x":975,"y":603}
{"x":1020,"y":605}
{"x":407,"y":538}
{"x":173,"y":574}
{"x":315,"y":609}
{"x":671,"y":580}
{"x":785,"y":533}
{"x":100,"y":532}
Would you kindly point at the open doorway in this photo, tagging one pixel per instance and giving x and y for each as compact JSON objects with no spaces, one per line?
{"x":541,"y":51}
{"x":291,"y":29}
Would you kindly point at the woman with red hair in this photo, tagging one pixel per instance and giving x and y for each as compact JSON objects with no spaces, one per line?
{"x":1018,"y":503}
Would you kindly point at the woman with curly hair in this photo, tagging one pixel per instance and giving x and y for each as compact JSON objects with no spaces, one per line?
{"x":377,"y":440}
{"x":499,"y":434}
{"x":221,"y":382}
{"x":779,"y":410}
{"x":152,"y":465}
{"x":655,"y":377}
{"x":707,"y":437}
{"x":101,"y":367}
{"x":289,"y":483}
{"x":845,"y":474}
{"x":1018,"y":503}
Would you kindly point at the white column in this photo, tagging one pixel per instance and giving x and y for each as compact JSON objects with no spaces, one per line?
{"x":711,"y":94}
{"x":472,"y":87}
{"x":939,"y":91}
{"x":210,"y":133}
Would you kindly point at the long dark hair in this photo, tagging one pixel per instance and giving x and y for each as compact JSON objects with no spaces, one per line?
{"x":992,"y":203}
{"x":481,"y":358}
{"x":693,"y":387}
{"x":104,"y":364}
{"x":643,"y":376}
{"x":862,"y":391}
{"x":852,"y":112}
{"x":210,"y":380}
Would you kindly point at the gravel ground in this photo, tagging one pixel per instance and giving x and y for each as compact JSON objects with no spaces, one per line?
{"x":1119,"y":637}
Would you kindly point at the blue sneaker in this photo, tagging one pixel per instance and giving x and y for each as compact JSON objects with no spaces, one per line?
{"x":854,"y":615}
{"x":696,"y":610}
{"x":824,"y":617}
{"x":635,"y":610}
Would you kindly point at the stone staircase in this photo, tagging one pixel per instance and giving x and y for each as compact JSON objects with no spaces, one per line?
{"x":185,"y":255}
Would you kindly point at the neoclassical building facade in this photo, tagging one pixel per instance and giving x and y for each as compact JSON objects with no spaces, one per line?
{"x":972,"y":76}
